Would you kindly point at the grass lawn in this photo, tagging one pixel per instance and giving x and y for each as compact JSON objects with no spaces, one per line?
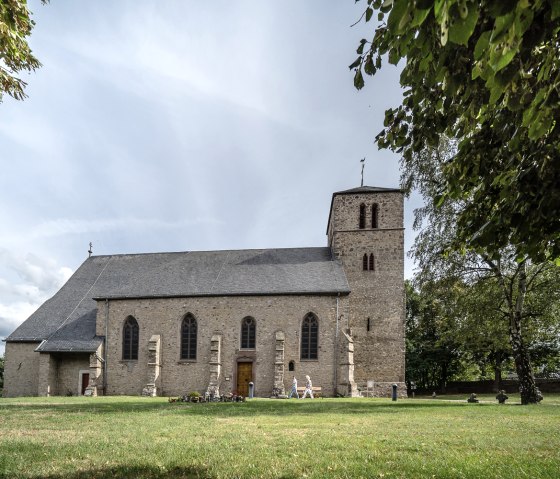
{"x":130,"y":437}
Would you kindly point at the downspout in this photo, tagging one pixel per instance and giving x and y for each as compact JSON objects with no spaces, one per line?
{"x":105,"y":347}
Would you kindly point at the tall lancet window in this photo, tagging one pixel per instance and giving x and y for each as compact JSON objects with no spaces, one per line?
{"x":309,"y":337}
{"x":362,"y":216}
{"x":188,"y":337}
{"x":374,"y":216}
{"x":131,"y":333}
{"x":365,"y":262}
{"x":371,"y":262}
{"x":248,"y":333}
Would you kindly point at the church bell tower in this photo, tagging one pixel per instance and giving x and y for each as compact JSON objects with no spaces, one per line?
{"x":365,"y":232}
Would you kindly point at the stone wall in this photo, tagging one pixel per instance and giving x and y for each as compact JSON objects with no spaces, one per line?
{"x":69,"y":367}
{"x":219,"y":316}
{"x":21,"y":370}
{"x":376,"y":305}
{"x":48,"y":375}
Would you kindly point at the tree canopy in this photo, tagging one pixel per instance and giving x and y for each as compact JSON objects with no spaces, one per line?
{"x":15,"y":54}
{"x":486,"y":73}
{"x":477,"y":290}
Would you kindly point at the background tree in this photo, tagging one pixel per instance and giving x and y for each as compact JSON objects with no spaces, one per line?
{"x":15,"y":54}
{"x":503,"y":286}
{"x":433,"y":355}
{"x":481,"y":330}
{"x":487,"y":73}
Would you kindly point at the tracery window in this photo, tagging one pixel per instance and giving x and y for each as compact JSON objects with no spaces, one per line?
{"x":309,"y":337}
{"x":131,"y":333}
{"x":188,"y":337}
{"x":248,"y":333}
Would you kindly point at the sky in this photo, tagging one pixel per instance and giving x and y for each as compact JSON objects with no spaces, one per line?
{"x":182,"y":126}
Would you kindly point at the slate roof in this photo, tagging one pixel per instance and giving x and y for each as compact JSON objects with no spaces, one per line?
{"x":368,"y":189}
{"x":67,"y":320}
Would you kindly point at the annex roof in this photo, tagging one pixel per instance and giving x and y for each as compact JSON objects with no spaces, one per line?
{"x":67,"y":321}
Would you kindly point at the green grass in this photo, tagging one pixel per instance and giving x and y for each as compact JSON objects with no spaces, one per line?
{"x":116,"y":437}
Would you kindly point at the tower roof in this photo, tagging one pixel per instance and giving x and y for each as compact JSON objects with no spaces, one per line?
{"x":368,"y":189}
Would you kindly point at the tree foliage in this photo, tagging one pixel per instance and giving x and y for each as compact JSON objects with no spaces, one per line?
{"x":519,"y":293}
{"x":486,"y":73}
{"x":433,"y":354}
{"x":15,"y":54}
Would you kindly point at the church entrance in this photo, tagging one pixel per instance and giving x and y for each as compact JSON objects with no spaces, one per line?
{"x":85,"y":383}
{"x":244,"y":377}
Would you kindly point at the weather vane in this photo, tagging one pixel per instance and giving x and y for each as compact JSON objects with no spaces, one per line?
{"x":363,"y":162}
{"x":90,"y":250}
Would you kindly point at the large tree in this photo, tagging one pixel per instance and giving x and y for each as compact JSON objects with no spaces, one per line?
{"x":15,"y":54}
{"x":487,"y":73}
{"x":522,"y":293}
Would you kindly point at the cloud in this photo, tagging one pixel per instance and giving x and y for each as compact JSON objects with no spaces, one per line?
{"x":67,"y":226}
{"x":37,"y":273}
{"x":12,"y":315}
{"x":26,"y":281}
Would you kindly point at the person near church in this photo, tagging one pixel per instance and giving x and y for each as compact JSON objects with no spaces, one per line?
{"x":294,"y":389}
{"x":308,"y":388}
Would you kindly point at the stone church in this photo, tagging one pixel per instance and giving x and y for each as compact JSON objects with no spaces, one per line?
{"x":213,"y":321}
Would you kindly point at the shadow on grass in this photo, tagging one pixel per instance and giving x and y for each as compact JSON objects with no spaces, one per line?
{"x":125,"y":472}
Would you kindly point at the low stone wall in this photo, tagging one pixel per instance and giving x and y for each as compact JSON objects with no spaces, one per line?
{"x":487,"y":387}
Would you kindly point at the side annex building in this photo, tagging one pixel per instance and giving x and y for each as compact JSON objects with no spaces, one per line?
{"x":165,"y":324}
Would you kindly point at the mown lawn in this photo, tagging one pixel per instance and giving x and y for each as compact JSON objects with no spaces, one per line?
{"x":116,"y":437}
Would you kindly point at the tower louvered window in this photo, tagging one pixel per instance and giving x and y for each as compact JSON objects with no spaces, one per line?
{"x":248,"y":333}
{"x":371,"y":262}
{"x":362,"y":216}
{"x":365,"y":262}
{"x":374,"y":216}
{"x":188,"y":337}
{"x":130,"y":339}
{"x":309,"y":337}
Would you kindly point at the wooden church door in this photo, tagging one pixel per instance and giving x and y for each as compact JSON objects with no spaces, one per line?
{"x":244,"y":377}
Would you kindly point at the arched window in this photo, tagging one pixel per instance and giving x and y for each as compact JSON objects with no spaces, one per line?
{"x":188,"y":337}
{"x":365,"y":262}
{"x":374,"y":215}
{"x":371,"y":262}
{"x":309,"y":337}
{"x":130,"y":339}
{"x":362,"y":216}
{"x":291,"y":366}
{"x":248,"y":333}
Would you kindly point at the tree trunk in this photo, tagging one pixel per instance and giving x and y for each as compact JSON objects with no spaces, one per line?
{"x":497,"y":376}
{"x":443,"y":379}
{"x":527,"y":386}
